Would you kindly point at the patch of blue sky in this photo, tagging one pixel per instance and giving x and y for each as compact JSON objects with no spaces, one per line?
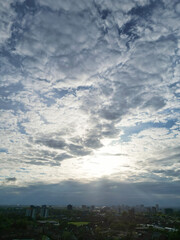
{"x":20,"y":171}
{"x":176,"y":110}
{"x":8,"y":104}
{"x":6,"y":91}
{"x":129,"y":131}
{"x":13,"y":58}
{"x":79,"y":88}
{"x":43,"y":119}
{"x":60,"y":93}
{"x":177,"y":95}
{"x":170,"y":111}
{"x":21,"y":128}
{"x":174,"y":84}
{"x":84,"y":88}
{"x":144,"y":11}
{"x":3,"y":150}
{"x":49,"y":101}
{"x":22,"y":8}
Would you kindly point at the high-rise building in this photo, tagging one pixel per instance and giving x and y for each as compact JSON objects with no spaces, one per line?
{"x":92,"y":207}
{"x":44,"y":212}
{"x":69,"y":207}
{"x":31,"y":212}
{"x":28,"y":212}
{"x":34,"y":213}
{"x":84,"y":207}
{"x":157,"y":207}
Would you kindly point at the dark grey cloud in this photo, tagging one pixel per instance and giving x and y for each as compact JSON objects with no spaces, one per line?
{"x":92,"y":142}
{"x":110,"y":131}
{"x":168,"y":173}
{"x":78,"y":150}
{"x":146,"y":11}
{"x":100,"y":192}
{"x":124,"y":98}
{"x":39,"y":163}
{"x":46,"y":158}
{"x":43,"y":162}
{"x":61,"y":157}
{"x":56,"y":144}
{"x":175,"y":158}
{"x":11,"y":179}
{"x":155,"y":102}
{"x":75,"y":146}
{"x":43,"y":153}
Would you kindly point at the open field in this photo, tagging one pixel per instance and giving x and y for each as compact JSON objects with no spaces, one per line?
{"x":78,"y":224}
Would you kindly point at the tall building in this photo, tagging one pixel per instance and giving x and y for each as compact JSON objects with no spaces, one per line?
{"x":84,"y":207}
{"x":157,"y":207}
{"x":153,"y":210}
{"x":69,"y":207}
{"x":28,"y":212}
{"x":92,"y":207}
{"x":34,"y":213}
{"x":44,"y":212}
{"x":31,"y":212}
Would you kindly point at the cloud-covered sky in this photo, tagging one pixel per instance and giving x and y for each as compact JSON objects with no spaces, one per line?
{"x":89,"y":101}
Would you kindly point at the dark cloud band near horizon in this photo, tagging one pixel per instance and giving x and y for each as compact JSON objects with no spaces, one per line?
{"x":90,"y":90}
{"x":95,"y":192}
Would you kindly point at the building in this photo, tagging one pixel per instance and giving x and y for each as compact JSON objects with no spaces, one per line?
{"x":31,"y":212}
{"x":44,"y":212}
{"x":34,"y":211}
{"x":69,"y":207}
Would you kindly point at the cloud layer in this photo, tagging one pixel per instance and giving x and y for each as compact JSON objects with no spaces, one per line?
{"x":89,"y":90}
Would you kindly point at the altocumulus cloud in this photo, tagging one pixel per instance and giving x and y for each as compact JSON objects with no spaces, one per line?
{"x":89,"y":91}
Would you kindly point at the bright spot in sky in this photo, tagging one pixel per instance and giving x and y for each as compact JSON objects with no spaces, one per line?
{"x":102,"y":165}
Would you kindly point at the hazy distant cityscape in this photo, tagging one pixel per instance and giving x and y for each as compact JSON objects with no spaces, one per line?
{"x":85,"y":222}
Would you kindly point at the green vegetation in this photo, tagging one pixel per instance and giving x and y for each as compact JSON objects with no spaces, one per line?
{"x":45,"y":237}
{"x":81,"y":224}
{"x":78,"y":224}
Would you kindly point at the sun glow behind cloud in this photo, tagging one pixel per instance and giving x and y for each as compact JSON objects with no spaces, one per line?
{"x":101,"y":166}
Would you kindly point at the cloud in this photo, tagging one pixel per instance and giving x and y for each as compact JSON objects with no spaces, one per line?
{"x":13,"y":179}
{"x":170,"y":172}
{"x":57,"y":144}
{"x":99,"y":192}
{"x":174,"y":157}
{"x":62,"y":156}
{"x":10,"y":180}
{"x":155,"y":102}
{"x":76,"y":146}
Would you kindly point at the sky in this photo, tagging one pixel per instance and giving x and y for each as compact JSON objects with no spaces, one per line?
{"x":89,"y":102}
